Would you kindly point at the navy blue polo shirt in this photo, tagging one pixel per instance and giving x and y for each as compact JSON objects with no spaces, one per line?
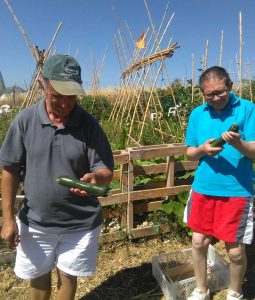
{"x":78,"y":147}
{"x":228,"y":174}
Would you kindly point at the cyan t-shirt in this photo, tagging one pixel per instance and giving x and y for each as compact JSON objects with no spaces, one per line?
{"x":230,"y":172}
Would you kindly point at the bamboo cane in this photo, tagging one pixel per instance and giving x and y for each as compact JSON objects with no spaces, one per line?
{"x":132,"y":91}
{"x":158,"y":46}
{"x":151,"y":36}
{"x":116,"y":104}
{"x":125,"y":63}
{"x":240,"y":54}
{"x":158,"y":41}
{"x":53,"y":40}
{"x":203,"y":62}
{"x":120,"y":27}
{"x":133,"y":58}
{"x":192,"y":77}
{"x":206,"y":54}
{"x":118,"y":57}
{"x":96,"y":81}
{"x":221,"y":47}
{"x":250,"y":82}
{"x":140,"y":85}
{"x":124,"y":99}
{"x":237,"y":72}
{"x":148,"y":103}
{"x":41,"y":59}
{"x":21,"y":29}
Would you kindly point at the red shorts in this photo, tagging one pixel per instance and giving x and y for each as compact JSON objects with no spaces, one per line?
{"x":229,"y":219}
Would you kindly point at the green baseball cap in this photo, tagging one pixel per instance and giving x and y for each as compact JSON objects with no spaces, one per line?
{"x":64,"y":74}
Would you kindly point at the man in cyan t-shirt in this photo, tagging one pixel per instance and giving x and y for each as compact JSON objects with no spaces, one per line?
{"x":220,"y":203}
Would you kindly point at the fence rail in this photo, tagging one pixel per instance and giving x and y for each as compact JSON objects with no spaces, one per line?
{"x":130,"y":199}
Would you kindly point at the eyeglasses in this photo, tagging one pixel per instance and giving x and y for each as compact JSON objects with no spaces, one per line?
{"x":217,"y":93}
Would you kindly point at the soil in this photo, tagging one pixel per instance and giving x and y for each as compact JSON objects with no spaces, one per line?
{"x":124,"y":271}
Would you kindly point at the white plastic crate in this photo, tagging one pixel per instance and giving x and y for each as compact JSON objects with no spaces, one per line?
{"x":174,"y":273}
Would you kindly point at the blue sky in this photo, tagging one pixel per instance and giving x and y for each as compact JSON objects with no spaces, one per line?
{"x":89,"y":27}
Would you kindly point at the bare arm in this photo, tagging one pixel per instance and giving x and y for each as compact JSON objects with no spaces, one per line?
{"x":196,"y":153}
{"x":9,"y":187}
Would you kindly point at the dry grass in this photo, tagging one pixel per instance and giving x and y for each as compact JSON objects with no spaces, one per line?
{"x":123,"y":272}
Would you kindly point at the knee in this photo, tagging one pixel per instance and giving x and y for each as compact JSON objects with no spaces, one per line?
{"x":200,"y":244}
{"x":237,"y":256}
{"x":41,"y":283}
{"x":65,"y":276}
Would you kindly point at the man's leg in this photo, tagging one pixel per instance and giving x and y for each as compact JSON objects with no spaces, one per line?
{"x":41,"y":287}
{"x":200,"y":244}
{"x":237,"y":267}
{"x":249,"y":283}
{"x":67,"y":285}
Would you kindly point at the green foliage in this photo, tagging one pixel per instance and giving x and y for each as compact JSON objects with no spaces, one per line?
{"x":158,"y":217}
{"x":112,"y":133}
{"x":115,"y":184}
{"x":123,"y":139}
{"x":180,"y":94}
{"x":98,"y":106}
{"x":5,"y":121}
{"x":174,"y":208}
{"x":151,"y":161}
{"x":248,"y":89}
{"x":141,"y":180}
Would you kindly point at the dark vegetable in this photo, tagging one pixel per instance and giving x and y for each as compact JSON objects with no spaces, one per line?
{"x":93,"y":189}
{"x":220,"y":142}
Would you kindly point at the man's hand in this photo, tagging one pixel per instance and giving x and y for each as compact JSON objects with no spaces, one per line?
{"x":232,"y":138}
{"x":101,"y":177}
{"x":196,"y":153}
{"x":10,"y":233}
{"x":88,"y":177}
{"x":211,"y":150}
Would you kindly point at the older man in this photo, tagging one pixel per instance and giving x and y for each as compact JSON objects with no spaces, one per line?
{"x":56,"y":226}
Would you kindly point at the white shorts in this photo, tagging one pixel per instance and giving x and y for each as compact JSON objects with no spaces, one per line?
{"x":38,"y":252}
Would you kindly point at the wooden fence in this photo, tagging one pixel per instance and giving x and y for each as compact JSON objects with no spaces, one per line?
{"x":130,"y":199}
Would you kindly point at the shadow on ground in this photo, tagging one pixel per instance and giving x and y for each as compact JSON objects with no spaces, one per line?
{"x":131,"y":283}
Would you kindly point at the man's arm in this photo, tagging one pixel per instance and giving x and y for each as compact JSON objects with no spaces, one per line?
{"x":196,"y":153}
{"x":9,"y":188}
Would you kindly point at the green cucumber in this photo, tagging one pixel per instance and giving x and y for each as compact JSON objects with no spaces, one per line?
{"x":93,"y":189}
{"x":219,"y":142}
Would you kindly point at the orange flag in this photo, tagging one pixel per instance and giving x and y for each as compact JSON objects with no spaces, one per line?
{"x":141,"y":41}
